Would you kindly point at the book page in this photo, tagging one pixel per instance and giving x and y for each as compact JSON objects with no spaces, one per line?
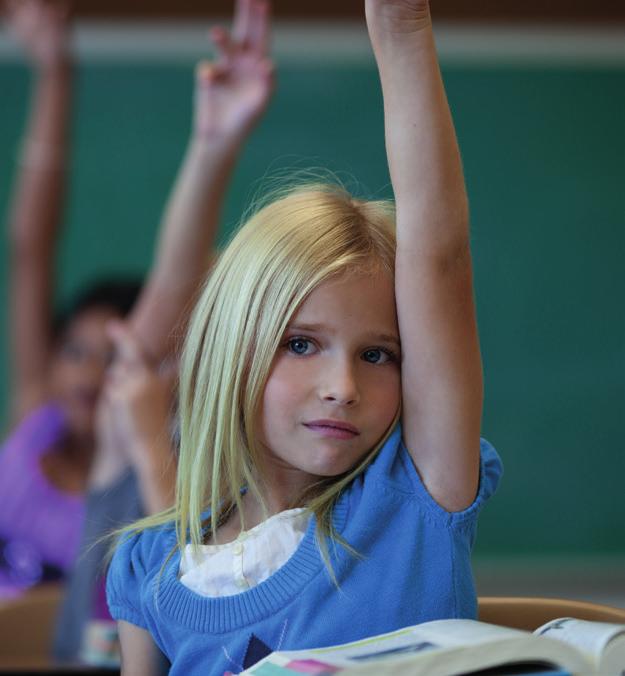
{"x":594,"y":639}
{"x":420,"y":638}
{"x":458,"y":645}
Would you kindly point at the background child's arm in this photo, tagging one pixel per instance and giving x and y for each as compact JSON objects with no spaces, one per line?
{"x":441,"y":369}
{"x":42,"y":29}
{"x":230,"y":96}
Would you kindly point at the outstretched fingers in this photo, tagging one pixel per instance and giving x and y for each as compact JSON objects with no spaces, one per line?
{"x":251,"y":25}
{"x":232,"y":90}
{"x":250,"y":32}
{"x":225,"y":47}
{"x":128,"y":353}
{"x":258,"y":35}
{"x":242,"y":19}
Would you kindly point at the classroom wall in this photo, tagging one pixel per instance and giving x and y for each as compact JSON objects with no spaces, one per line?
{"x":544,"y":155}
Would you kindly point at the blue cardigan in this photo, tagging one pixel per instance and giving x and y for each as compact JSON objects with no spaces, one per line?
{"x":414,"y":567}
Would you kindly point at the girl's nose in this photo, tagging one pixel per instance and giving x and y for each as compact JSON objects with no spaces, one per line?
{"x":340,"y":386}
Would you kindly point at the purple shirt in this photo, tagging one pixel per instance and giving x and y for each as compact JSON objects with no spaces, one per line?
{"x":40,"y":525}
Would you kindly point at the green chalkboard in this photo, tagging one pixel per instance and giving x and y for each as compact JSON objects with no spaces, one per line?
{"x":544,"y":154}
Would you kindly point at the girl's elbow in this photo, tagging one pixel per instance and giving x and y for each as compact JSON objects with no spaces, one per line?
{"x":457,"y":500}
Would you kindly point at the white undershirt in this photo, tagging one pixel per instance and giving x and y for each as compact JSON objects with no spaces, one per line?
{"x":228,"y":569}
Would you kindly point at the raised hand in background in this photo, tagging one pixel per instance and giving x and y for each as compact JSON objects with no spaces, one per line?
{"x":41,"y":28}
{"x":135,"y":421}
{"x":233,"y":90}
{"x":231,"y":93}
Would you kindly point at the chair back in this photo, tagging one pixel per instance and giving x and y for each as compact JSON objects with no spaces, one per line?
{"x":26,"y":627}
{"x":529,"y":613}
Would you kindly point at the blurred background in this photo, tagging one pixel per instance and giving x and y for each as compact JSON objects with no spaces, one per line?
{"x":537,"y":90}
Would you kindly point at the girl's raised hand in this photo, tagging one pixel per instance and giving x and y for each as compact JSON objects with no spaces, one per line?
{"x":41,"y":28}
{"x":232,"y":92}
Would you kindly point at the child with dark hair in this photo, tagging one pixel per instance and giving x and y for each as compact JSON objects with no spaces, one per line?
{"x":42,"y":513}
{"x":116,"y":293}
{"x":60,"y":367}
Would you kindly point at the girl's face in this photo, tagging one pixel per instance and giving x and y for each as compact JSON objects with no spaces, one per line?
{"x":334,"y":387}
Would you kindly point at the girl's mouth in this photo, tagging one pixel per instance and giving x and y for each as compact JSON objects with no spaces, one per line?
{"x":334,"y":429}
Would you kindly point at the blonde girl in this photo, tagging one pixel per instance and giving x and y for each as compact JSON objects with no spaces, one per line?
{"x":331,"y":469}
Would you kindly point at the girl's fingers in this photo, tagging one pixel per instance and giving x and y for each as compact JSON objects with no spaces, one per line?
{"x":242,"y":18}
{"x":127,"y":348}
{"x":258,"y":37}
{"x":118,"y":374}
{"x":205,"y":73}
{"x":250,"y":30}
{"x":224,"y":44}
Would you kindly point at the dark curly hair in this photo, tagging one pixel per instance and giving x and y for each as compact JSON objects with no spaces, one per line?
{"x":118,"y":294}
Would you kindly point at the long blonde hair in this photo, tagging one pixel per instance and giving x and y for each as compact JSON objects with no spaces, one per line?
{"x":286,"y":249}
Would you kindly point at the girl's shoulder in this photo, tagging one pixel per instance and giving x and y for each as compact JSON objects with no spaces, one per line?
{"x":136,"y":553}
{"x":138,"y":559}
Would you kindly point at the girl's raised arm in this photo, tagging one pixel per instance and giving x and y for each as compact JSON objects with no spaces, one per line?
{"x":36,"y":208}
{"x":441,"y":364}
{"x":230,"y":96}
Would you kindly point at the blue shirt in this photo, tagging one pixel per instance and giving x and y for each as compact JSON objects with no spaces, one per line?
{"x":414,"y":567}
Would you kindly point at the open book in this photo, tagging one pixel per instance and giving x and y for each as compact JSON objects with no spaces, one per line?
{"x":448,"y":647}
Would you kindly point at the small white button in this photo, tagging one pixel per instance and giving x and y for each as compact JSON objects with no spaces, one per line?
{"x":238,"y":549}
{"x":241,"y":583}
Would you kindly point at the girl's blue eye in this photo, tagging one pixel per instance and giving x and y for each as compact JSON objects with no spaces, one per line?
{"x":376,"y":356}
{"x":299,"y":345}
